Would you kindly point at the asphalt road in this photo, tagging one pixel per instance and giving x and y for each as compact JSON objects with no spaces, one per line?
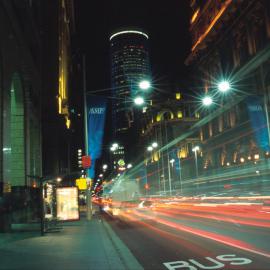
{"x":199,"y":236}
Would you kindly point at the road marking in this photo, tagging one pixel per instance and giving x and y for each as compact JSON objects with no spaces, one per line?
{"x":230,"y":259}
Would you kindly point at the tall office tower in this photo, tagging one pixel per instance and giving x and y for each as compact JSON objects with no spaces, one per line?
{"x":129,"y":66}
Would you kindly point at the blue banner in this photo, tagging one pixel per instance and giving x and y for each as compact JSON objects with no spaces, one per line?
{"x":258,"y":121}
{"x":96,"y":112}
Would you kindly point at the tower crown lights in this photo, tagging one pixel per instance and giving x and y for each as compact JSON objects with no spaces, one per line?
{"x":128,"y":32}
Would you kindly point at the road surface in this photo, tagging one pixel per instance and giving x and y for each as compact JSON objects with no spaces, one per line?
{"x":199,"y":236}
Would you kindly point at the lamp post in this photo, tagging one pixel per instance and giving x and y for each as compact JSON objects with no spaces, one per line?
{"x":169,"y":175}
{"x":195,"y":150}
{"x":150,"y":148}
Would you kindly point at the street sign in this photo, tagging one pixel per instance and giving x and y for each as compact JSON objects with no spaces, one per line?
{"x":81,"y":183}
{"x":86,"y":162}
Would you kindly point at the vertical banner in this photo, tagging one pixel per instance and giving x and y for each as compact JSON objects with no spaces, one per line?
{"x":258,"y":121}
{"x":96,"y":111}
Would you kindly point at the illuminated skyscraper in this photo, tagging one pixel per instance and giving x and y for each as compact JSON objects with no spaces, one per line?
{"x":129,"y":66}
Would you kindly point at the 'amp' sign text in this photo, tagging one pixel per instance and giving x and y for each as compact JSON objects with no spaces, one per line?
{"x":97,"y":110}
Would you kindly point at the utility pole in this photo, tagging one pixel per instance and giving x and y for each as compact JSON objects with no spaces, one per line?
{"x":88,"y":191}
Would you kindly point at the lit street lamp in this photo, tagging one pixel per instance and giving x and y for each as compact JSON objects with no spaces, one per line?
{"x":195,"y":150}
{"x":224,"y":86}
{"x":207,"y":101}
{"x":154,"y":145}
{"x":139,"y":100}
{"x":144,"y":85}
{"x":172,"y":161}
{"x":149,"y":148}
{"x":114,"y":147}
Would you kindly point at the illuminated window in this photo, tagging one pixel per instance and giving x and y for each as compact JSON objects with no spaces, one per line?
{"x":183,"y":153}
{"x":210,"y":129}
{"x":180,"y":114}
{"x":178,"y":96}
{"x":195,"y":15}
{"x":197,"y":115}
{"x":158,"y":118}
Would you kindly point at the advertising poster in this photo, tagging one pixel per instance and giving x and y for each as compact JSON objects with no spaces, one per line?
{"x":67,"y":203}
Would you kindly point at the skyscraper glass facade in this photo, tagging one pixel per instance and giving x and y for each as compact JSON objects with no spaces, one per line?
{"x":129,"y":66}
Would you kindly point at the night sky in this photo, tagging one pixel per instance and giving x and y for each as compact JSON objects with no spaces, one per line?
{"x":166,"y":22}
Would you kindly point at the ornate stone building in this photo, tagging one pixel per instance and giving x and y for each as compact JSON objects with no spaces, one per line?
{"x":231,"y":42}
{"x":166,"y":145}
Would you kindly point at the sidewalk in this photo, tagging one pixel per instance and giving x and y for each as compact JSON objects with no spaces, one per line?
{"x":80,"y":245}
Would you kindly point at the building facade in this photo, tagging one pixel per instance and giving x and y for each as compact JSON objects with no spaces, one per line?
{"x":58,"y":31}
{"x":167,"y":145}
{"x":129,"y":66}
{"x":20,"y":107}
{"x":231,"y":42}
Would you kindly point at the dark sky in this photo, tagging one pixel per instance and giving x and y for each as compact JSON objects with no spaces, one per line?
{"x":166,"y":22}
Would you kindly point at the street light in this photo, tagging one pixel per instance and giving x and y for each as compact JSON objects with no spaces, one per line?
{"x":224,"y":86}
{"x":114,"y":146}
{"x":144,"y":85}
{"x":58,"y":179}
{"x":105,"y":167}
{"x":149,"y":148}
{"x":172,"y":161}
{"x":207,"y":101}
{"x":139,"y":100}
{"x":154,"y":145}
{"x":195,"y":150}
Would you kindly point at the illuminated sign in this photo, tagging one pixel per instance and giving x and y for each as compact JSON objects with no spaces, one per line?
{"x":81,"y":183}
{"x":86,"y":162}
{"x":67,"y":203}
{"x":121,"y":162}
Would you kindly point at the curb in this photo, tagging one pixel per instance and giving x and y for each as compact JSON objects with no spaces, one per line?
{"x":127,"y":258}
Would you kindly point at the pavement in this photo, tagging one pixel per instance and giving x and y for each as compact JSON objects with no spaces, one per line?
{"x":78,"y":245}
